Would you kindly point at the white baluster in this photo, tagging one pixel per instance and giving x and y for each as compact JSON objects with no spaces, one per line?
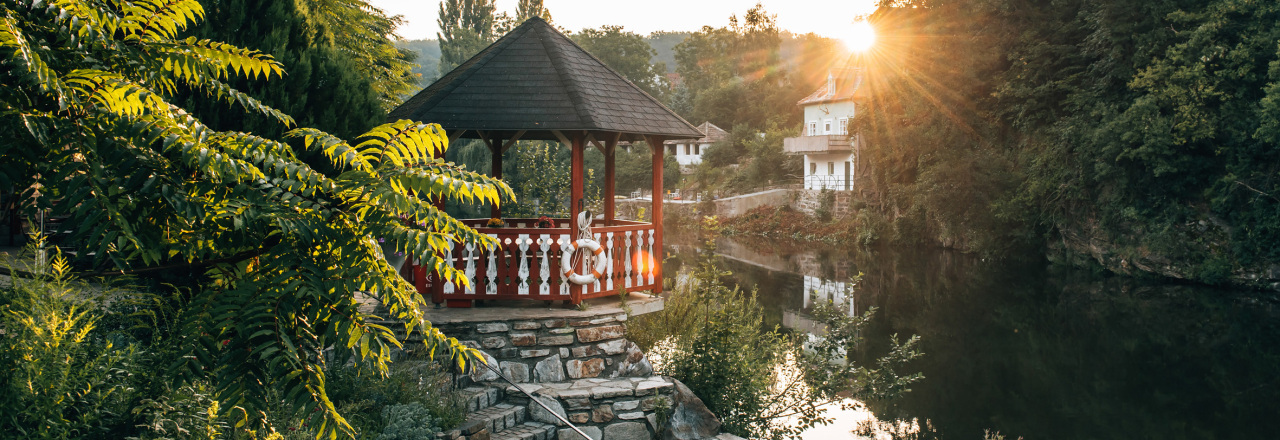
{"x":470,"y":272}
{"x":608,"y":270}
{"x":653,"y":258}
{"x":524,"y":265}
{"x":544,"y":241}
{"x":626,"y":267}
{"x":596,"y":285}
{"x":565,"y":246}
{"x":448,"y":260}
{"x":491,"y":288}
{"x":640,"y":252}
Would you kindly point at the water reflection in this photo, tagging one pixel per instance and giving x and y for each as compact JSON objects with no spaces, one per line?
{"x":1031,"y":350}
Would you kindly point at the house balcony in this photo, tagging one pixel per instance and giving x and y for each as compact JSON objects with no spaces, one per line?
{"x":526,"y":263}
{"x":831,"y":143}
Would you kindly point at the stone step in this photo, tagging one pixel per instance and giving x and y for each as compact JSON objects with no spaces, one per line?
{"x":481,"y":397}
{"x":528,"y":431}
{"x":494,"y":419}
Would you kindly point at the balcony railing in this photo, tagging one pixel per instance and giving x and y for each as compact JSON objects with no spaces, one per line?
{"x":834,"y":182}
{"x":831,"y":143}
{"x":526,"y":263}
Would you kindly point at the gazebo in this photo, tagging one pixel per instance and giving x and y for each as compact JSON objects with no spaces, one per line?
{"x":536,"y":84}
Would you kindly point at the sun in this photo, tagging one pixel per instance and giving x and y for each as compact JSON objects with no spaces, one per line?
{"x":858,"y":37}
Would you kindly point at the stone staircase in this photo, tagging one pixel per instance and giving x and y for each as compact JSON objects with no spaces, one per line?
{"x":489,"y":417}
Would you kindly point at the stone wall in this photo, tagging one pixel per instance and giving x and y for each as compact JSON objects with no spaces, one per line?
{"x":807,"y":201}
{"x":622,"y":409}
{"x":555,"y":349}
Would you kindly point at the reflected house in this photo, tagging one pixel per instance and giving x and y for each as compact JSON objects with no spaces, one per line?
{"x":820,"y":291}
{"x":536,"y":84}
{"x":830,"y":151}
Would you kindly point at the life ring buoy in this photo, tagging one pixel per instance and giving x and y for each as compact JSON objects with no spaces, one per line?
{"x":566,"y":262}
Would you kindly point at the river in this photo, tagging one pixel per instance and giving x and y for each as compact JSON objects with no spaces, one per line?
{"x":1030,"y":349}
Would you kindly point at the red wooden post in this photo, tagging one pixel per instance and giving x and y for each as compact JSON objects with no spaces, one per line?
{"x":495,"y":150}
{"x":655,"y":143}
{"x":609,"y":181}
{"x":575,"y":206}
{"x":436,"y":281}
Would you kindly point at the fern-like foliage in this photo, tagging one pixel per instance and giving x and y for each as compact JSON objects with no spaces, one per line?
{"x":89,"y":121}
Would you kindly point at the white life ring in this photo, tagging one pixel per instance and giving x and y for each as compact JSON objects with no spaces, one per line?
{"x":566,"y":262}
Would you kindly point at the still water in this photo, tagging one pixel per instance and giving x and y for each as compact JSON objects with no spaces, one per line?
{"x":1029,"y":349}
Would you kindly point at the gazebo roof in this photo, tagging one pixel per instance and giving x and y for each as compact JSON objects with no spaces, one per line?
{"x":535,"y":81}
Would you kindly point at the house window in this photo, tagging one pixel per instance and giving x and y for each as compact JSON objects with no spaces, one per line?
{"x":831,"y":167}
{"x":686,"y":149}
{"x":813,"y":128}
{"x":813,"y":168}
{"x":697,"y":149}
{"x":826,"y":127}
{"x":843,"y":126}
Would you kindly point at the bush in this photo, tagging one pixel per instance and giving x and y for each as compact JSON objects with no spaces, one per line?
{"x":59,"y":379}
{"x":368,"y":393}
{"x":409,"y":421}
{"x":826,"y":204}
{"x":759,"y":381}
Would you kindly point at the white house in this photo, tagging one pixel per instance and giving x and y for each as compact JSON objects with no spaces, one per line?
{"x":830,"y":151}
{"x":688,"y":152}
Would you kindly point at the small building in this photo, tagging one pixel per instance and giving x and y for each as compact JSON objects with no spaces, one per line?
{"x":830,"y":151}
{"x":688,"y":152}
{"x":534,"y":83}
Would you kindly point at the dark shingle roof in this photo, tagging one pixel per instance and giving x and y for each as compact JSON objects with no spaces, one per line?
{"x":536,"y":79}
{"x":713,"y":134}
{"x":848,"y":85}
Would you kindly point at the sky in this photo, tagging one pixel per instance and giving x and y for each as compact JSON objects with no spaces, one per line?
{"x":830,"y":18}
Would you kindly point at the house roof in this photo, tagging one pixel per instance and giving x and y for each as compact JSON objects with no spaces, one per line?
{"x":712,"y":135}
{"x":536,"y":80}
{"x":848,"y":86}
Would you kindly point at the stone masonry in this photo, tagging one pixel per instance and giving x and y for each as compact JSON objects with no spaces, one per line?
{"x":555,"y":349}
{"x":618,"y":409}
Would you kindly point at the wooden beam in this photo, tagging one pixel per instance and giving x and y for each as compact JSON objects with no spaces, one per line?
{"x":512,"y":141}
{"x":495,"y":171}
{"x":563,"y":139}
{"x":657,"y":252}
{"x":575,"y":206}
{"x":455,"y":135}
{"x":591,"y":139}
{"x":610,"y":175}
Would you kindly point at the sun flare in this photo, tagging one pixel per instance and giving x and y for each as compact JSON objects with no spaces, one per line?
{"x":859,"y":37}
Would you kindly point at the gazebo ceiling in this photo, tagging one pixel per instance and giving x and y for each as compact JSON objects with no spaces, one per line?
{"x":534,"y":82}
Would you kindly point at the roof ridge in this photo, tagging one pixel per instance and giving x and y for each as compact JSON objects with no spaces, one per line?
{"x":582,"y":105}
{"x":623,"y":78}
{"x":452,"y":80}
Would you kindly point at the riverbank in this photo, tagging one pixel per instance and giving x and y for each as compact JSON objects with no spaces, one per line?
{"x":1027,"y":348}
{"x":1090,"y":249}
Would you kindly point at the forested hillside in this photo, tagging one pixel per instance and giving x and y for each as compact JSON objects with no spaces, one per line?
{"x":427,"y":68}
{"x":1141,"y":134}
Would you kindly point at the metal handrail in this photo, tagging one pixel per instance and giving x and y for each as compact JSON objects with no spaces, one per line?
{"x":535,"y":400}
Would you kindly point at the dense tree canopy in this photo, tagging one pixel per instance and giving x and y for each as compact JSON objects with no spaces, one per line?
{"x":1145,"y":128}
{"x":344,"y":70}
{"x":627,"y":53}
{"x":466,"y":28}
{"x":93,"y":133}
{"x":736,"y":74}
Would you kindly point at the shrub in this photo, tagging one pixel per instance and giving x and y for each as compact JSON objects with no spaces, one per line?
{"x":759,"y":381}
{"x":826,"y":205}
{"x":409,"y":421}
{"x":58,"y":379}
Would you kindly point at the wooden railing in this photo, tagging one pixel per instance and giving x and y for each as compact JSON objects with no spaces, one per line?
{"x":526,"y":263}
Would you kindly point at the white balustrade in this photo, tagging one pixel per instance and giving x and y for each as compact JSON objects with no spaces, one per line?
{"x":524,"y":241}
